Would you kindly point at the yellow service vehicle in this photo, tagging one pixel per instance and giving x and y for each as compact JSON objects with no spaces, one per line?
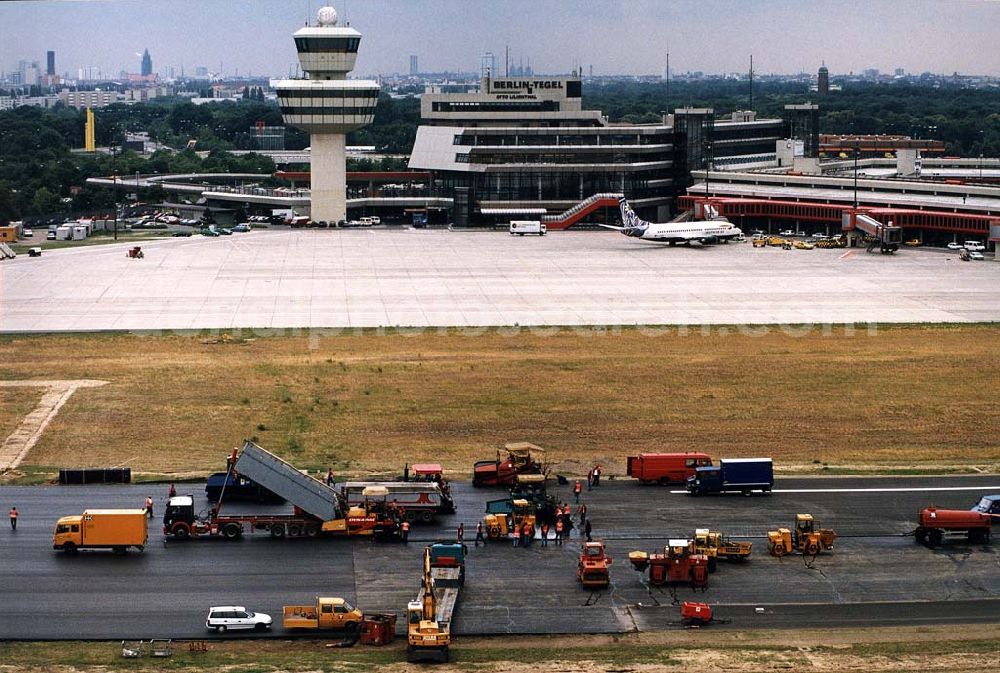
{"x":806,"y":539}
{"x":803,"y":245}
{"x":776,"y":241}
{"x":115,"y":529}
{"x":504,"y":516}
{"x":428,"y":628}
{"x":715,"y":545}
{"x":327,"y":614}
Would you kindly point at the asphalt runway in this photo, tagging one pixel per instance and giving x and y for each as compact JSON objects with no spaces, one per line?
{"x":876,"y":575}
{"x":285,"y":279}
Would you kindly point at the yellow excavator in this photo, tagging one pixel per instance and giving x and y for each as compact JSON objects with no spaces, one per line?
{"x":428,"y":619}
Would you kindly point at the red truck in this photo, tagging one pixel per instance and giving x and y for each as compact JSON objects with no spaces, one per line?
{"x":666,"y":468}
{"x":933,"y":524}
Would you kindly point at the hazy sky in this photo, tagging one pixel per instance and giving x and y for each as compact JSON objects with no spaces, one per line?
{"x":615,"y":36}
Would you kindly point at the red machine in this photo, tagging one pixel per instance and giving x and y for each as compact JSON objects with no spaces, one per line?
{"x":666,"y":468}
{"x":592,"y":570}
{"x":695,"y":614}
{"x":135,"y":253}
{"x":678,"y":564}
{"x":933,"y":524}
{"x":522,"y":458}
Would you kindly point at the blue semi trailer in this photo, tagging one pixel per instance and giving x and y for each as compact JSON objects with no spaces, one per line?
{"x":743,"y":475}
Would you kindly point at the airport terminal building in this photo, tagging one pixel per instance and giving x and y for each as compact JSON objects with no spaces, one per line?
{"x":525,"y":146}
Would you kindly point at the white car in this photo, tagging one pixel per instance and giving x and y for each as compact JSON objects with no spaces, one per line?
{"x":954,"y":246}
{"x":223,"y":618}
{"x":786,"y":232}
{"x":976,"y":255}
{"x":28,"y":233}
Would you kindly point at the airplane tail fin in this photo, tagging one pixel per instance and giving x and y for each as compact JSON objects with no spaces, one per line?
{"x":630,"y":220}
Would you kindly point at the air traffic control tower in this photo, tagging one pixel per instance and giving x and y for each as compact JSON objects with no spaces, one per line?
{"x":328,"y":106}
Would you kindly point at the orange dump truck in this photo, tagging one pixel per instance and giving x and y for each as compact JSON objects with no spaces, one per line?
{"x":115,"y":529}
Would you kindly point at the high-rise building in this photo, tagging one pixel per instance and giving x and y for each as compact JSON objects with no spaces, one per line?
{"x":328,"y":106}
{"x":414,"y":64}
{"x":50,"y":63}
{"x":823,"y":81}
{"x":147,"y":64}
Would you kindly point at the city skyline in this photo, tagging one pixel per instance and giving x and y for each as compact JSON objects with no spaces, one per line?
{"x":784,"y":36}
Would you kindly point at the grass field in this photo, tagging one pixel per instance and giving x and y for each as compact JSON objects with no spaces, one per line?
{"x":14,"y":404}
{"x":903,"y":398}
{"x":878,"y":650}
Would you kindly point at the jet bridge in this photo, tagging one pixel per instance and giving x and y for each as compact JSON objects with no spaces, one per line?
{"x":884,"y":237}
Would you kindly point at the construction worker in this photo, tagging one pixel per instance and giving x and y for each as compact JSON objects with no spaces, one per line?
{"x":526,"y":535}
{"x":576,"y":491}
{"x":172,"y":491}
{"x":545,"y":534}
{"x":517,"y":535}
{"x":460,"y":533}
{"x":479,"y":534}
{"x":597,"y":475}
{"x":149,"y":506}
{"x":329,"y":476}
{"x":559,"y":532}
{"x":590,"y":479}
{"x":587,"y":529}
{"x":582,"y":512}
{"x":405,"y":530}
{"x":13,"y":519}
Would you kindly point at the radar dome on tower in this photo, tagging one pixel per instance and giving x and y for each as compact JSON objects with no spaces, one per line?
{"x":326,"y":16}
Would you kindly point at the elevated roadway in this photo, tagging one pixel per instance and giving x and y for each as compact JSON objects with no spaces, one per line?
{"x":876,"y":575}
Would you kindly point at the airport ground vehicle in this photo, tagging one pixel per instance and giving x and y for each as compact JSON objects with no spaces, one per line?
{"x":666,"y":468}
{"x":806,"y":538}
{"x":974,"y":246}
{"x":913,"y":243}
{"x":776,"y":241}
{"x":988,"y":504}
{"x":504,"y":516}
{"x":679,"y":564}
{"x":976,"y":256}
{"x":532,"y":487}
{"x":934,"y":524}
{"x":330,"y":614}
{"x":803,"y":245}
{"x":743,"y":475}
{"x":115,"y":529}
{"x":592,"y":568}
{"x":429,"y":617}
{"x":759,"y":242}
{"x":522,"y":458}
{"x":522,"y":227}
{"x":419,"y":501}
{"x":234,"y":486}
{"x":318,"y":509}
{"x":224,"y":618}
{"x":34,"y":252}
{"x":715,"y":545}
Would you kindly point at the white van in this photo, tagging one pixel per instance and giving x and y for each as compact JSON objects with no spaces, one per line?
{"x":974,"y":246}
{"x":522,"y":227}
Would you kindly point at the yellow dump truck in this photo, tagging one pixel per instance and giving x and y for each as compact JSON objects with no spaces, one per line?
{"x":115,"y":529}
{"x":334,"y":614}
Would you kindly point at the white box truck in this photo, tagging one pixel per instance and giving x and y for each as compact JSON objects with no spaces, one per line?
{"x":522,"y":227}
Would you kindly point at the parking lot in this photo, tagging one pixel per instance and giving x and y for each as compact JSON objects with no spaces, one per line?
{"x":426,"y":278}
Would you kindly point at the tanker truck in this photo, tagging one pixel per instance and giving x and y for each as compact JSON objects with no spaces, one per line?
{"x":934,"y":524}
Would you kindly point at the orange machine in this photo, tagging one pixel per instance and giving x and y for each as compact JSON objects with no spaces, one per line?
{"x":592,"y":570}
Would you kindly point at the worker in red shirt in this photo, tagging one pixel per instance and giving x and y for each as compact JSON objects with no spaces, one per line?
{"x":13,"y":518}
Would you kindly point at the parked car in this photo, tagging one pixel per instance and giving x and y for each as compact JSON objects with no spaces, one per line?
{"x":976,"y":255}
{"x":50,"y":236}
{"x":209,"y":232}
{"x":235,"y":617}
{"x":242,"y":227}
{"x":786,"y":232}
{"x":225,"y":232}
{"x":28,"y":233}
{"x":974,"y":246}
{"x":954,"y":246}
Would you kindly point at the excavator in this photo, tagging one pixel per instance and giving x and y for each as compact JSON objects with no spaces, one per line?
{"x":806,"y":539}
{"x":428,"y":628}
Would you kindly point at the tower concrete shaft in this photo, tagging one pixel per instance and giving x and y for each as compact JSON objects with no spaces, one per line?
{"x":328,"y":106}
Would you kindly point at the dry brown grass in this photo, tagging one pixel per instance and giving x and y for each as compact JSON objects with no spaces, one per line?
{"x":907,"y":396}
{"x":14,"y":404}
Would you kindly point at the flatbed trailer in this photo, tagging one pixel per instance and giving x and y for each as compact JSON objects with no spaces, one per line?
{"x":430,"y":616}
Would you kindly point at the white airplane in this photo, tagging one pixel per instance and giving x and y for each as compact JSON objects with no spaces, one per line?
{"x":711,"y":230}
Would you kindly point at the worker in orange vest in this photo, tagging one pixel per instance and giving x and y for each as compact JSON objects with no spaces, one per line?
{"x":13,"y":518}
{"x":149,"y":506}
{"x":559,"y":531}
{"x":576,"y":491}
{"x":517,"y":534}
{"x":405,"y":528}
